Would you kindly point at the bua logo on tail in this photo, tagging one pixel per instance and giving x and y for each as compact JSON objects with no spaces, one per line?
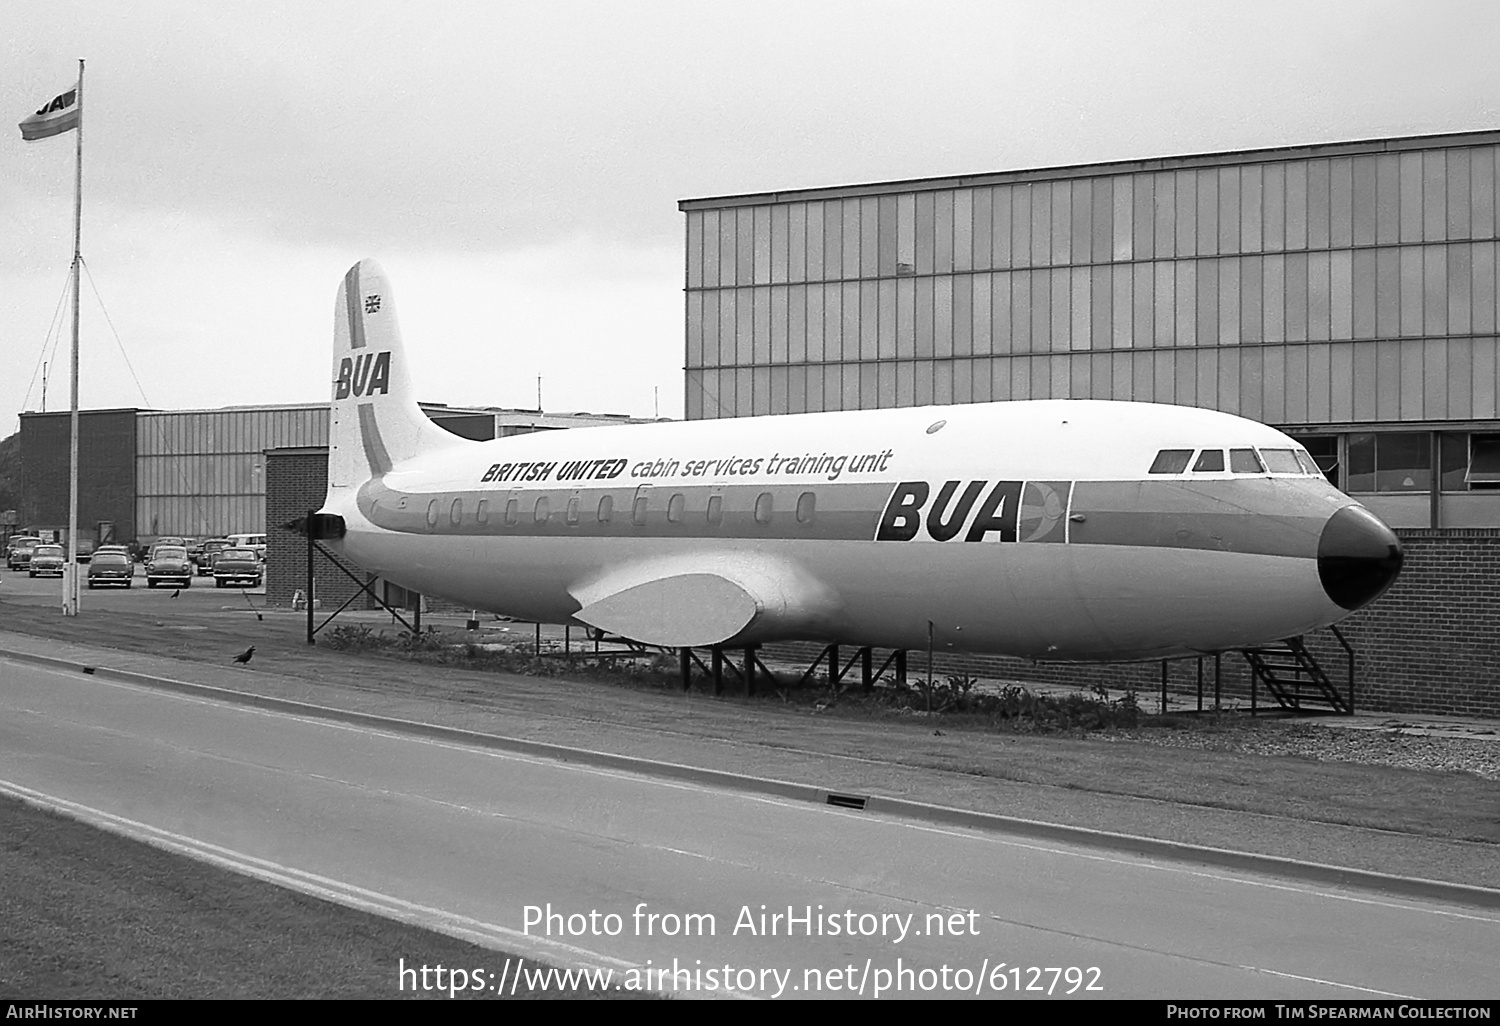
{"x":366,"y":374}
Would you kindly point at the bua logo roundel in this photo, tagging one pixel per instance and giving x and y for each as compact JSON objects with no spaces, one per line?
{"x":365,"y":374}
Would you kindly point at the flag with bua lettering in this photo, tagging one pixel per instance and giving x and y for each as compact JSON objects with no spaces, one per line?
{"x":58,"y":115}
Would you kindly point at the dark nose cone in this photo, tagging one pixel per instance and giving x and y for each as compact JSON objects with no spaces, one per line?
{"x":1358,"y":557}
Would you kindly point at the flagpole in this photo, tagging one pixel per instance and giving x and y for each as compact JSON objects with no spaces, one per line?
{"x":70,"y":579}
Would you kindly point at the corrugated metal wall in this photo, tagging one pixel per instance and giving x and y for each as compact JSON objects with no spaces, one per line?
{"x":1345,"y":287}
{"x":202,"y":472}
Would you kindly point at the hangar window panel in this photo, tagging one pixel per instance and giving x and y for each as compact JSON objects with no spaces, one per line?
{"x":1362,"y":293}
{"x":981,"y":321}
{"x":761,"y":228}
{"x":885,"y":319}
{"x":1208,"y":302}
{"x":1460,"y":278}
{"x":886,"y":245}
{"x":796,"y":242}
{"x":1055,"y":376}
{"x":760,"y":327}
{"x":715,"y":511}
{"x":1252,"y":215}
{"x":1411,"y":374}
{"x":1361,"y":474}
{"x":942,"y":235}
{"x":1122,"y":219}
{"x":1165,"y":220}
{"x":764,"y":508}
{"x":777,"y":324}
{"x":1080,"y":329}
{"x":1244,"y":461}
{"x":833,"y":387}
{"x":1207,"y":181}
{"x":869,"y":237}
{"x":1340,"y":202}
{"x":1164,"y":315}
{"x":815,"y":242}
{"x":1412,"y":287}
{"x":1229,"y":209}
{"x":1482,"y":192}
{"x":1484,"y":462}
{"x":1387,"y":292}
{"x":1100,"y":374}
{"x":851,"y":396}
{"x":778,"y":389}
{"x":1041,"y":311}
{"x":779,"y":223}
{"x":1187,"y":304}
{"x":760,"y":391}
{"x":885,"y":385}
{"x":849,"y":329}
{"x":817,"y":330}
{"x":715,"y":247}
{"x":922,"y":386}
{"x":1251,"y":271}
{"x":1101,"y":313}
{"x":906,"y":233}
{"x":1433,"y":380}
{"x":924,"y":316}
{"x":694,"y":248}
{"x":1061,"y":322}
{"x":1296,"y":205}
{"x":1088,"y":209}
{"x":869,"y":393}
{"x":1041,"y":224}
{"x":1208,"y":378}
{"x":1143,"y":216}
{"x":1387,"y":380}
{"x":1453,"y":461}
{"x":942,"y":382}
{"x":1330,"y":369}
{"x":1388,"y":196}
{"x":1296,"y":297}
{"x":1403,"y":462}
{"x":456,"y":512}
{"x":1020,"y":226}
{"x":744,"y":392}
{"x":728,"y":314}
{"x":1229,"y":301}
{"x":1341,"y":294}
{"x":1001,"y":226}
{"x":1485,"y":359}
{"x":695,"y":329}
{"x":925,"y":231}
{"x":1434,"y":195}
{"x":1317,"y":204}
{"x":1121,"y":376}
{"x":676,"y":508}
{"x":1318,"y":296}
{"x":963,"y":229}
{"x":906,"y":322}
{"x":1020,"y":311}
{"x":963,"y":315}
{"x":1209,"y":461}
{"x":796,"y":323}
{"x":1411,"y":197}
{"x":482,"y":512}
{"x":1062,"y":224}
{"x":1273,"y":207}
{"x":982,"y":220}
{"x":963,"y":381}
{"x":1185,"y":378}
{"x":1163,"y":383}
{"x":744,"y":236}
{"x":942,"y":316}
{"x":1363,"y":206}
{"x":1483,"y":287}
{"x":693,"y":401}
{"x":906,"y":393}
{"x":1143,"y":319}
{"x":833,"y":240}
{"x":1187,"y":212}
{"x":1435,"y":296}
{"x":796,"y":390}
{"x":1460,"y":376}
{"x":1121,"y":314}
{"x":744,"y":327}
{"x":851,"y":240}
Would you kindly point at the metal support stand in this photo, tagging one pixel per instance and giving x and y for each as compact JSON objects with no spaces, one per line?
{"x":1163,"y":687}
{"x":749,"y":670}
{"x":1218,"y":679}
{"x":866,"y":657}
{"x":718,"y":669}
{"x":310,"y":543}
{"x":364,"y":587}
{"x":1200,"y":683}
{"x":684,"y":661}
{"x":900,"y":655}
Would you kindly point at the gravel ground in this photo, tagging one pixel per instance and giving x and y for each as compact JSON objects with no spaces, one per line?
{"x":1395,"y":746}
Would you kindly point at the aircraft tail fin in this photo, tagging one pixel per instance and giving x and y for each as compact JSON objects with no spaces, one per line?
{"x":374,"y":420}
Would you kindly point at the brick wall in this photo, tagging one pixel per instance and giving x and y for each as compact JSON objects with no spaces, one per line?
{"x":1429,"y":645}
{"x":297,"y":481}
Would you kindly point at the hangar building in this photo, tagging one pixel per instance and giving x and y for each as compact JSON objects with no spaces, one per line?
{"x":1346,"y":293}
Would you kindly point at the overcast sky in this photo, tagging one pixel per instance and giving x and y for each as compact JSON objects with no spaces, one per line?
{"x":516,"y":167}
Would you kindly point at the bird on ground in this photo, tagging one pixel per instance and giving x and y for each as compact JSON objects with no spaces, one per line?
{"x":244,"y":657}
{"x":176,"y":592}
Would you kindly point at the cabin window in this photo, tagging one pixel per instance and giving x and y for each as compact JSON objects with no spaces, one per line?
{"x":606,"y":511}
{"x":1282,"y":461}
{"x":716,"y":510}
{"x":676,"y":506}
{"x":512,"y":512}
{"x":763,"y":508}
{"x":807,"y":507}
{"x":482,"y":511}
{"x":1209,"y":461}
{"x":639,"y":508}
{"x":456,"y":512}
{"x":542,"y":511}
{"x":1244,"y":461}
{"x":1171,"y":461}
{"x":432,"y":513}
{"x":573,"y":511}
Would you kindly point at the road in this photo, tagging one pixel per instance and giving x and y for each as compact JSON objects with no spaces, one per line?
{"x":471,"y":840}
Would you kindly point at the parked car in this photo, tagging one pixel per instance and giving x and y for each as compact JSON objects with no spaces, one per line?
{"x":168,"y":564}
{"x":111,"y":565}
{"x":47,"y":561}
{"x":251,"y":541}
{"x":237,"y":567}
{"x":18,"y":552}
{"x":211,"y":548}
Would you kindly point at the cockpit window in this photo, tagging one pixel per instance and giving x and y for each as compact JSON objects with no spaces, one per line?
{"x":1244,"y":461}
{"x":1282,"y":461}
{"x":1171,"y":461}
{"x":1309,"y":465}
{"x":1210,"y":460}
